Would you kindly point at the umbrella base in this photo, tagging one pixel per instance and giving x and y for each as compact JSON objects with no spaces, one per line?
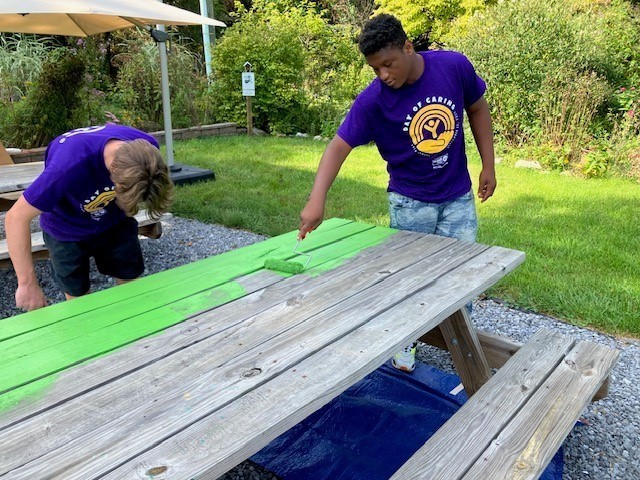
{"x":184,"y":174}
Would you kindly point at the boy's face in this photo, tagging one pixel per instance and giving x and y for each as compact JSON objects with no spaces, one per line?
{"x":392,"y":65}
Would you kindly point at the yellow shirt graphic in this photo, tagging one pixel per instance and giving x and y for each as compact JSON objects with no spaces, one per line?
{"x":96,"y":205}
{"x":432,"y":128}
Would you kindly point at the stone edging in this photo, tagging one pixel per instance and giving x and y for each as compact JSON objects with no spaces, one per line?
{"x":227,"y":128}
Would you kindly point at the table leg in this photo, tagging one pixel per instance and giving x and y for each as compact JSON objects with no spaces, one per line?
{"x":467,"y":355}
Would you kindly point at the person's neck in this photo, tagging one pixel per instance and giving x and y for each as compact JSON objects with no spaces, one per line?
{"x":417,"y":68}
{"x":109,"y":151}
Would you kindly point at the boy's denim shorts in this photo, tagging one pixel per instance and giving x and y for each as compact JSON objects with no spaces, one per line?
{"x":456,"y":218}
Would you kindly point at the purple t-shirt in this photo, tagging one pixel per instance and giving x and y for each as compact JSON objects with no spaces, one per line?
{"x":418,"y":128}
{"x":75,"y":191}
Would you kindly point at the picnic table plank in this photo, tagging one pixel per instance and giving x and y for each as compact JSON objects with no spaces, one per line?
{"x":37,"y":240}
{"x":252,"y":329}
{"x":19,"y":176}
{"x":218,"y":268}
{"x":228,"y":435}
{"x":523,"y":454}
{"x":57,"y":346}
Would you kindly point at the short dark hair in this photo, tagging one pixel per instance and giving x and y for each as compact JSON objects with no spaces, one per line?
{"x":380,"y":32}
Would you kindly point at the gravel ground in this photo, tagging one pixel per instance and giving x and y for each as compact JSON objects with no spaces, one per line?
{"x":606,"y":447}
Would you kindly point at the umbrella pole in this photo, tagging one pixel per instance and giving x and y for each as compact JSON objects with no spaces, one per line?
{"x":166,"y":102}
{"x":179,"y":173}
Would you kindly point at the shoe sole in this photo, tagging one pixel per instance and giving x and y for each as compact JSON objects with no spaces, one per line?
{"x":403,"y":369}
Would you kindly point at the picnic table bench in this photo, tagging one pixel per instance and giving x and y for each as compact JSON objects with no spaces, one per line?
{"x":185,"y":373}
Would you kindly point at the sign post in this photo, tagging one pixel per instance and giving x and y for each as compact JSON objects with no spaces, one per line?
{"x":248,"y":91}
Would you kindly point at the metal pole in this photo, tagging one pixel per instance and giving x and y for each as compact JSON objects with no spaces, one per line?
{"x":206,"y":38}
{"x":166,"y":101}
{"x":160,"y":37}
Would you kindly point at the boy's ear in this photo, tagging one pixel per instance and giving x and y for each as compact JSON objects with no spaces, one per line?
{"x":408,"y":47}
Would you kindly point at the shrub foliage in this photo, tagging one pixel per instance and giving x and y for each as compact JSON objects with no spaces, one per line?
{"x":307,"y":71}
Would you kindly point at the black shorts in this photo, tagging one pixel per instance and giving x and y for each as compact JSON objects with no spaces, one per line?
{"x":116,"y":252}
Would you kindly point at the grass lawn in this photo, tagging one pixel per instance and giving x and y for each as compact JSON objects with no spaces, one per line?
{"x":581,"y":237}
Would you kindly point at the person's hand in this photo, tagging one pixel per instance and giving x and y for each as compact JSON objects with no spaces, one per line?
{"x":487,"y":184}
{"x":30,"y":297}
{"x":310,"y":217}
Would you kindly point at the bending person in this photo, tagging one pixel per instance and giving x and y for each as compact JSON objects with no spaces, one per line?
{"x":93,"y":183}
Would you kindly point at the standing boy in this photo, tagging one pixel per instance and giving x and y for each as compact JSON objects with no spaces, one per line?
{"x":413,"y":111}
{"x":92,"y":185}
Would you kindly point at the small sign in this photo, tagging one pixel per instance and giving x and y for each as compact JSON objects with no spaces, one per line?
{"x":248,"y":84}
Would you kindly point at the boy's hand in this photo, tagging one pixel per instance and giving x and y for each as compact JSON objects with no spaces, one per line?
{"x":487,"y":184}
{"x":310,"y":217}
{"x":30,"y":297}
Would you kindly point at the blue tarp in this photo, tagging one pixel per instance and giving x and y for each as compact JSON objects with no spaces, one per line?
{"x":370,"y":430}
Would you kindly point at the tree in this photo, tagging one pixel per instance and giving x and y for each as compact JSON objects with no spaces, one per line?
{"x":428,"y":20}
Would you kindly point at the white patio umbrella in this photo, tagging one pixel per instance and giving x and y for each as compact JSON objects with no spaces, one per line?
{"x":87,"y":17}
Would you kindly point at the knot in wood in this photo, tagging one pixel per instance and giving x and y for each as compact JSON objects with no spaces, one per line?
{"x":252,"y":373}
{"x":152,"y":472}
{"x":190,"y":330}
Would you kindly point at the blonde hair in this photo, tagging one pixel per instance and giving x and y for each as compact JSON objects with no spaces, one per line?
{"x":141,"y":176}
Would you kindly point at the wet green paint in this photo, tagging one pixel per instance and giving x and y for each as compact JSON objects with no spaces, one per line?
{"x":114,"y":318}
{"x":251,"y":257}
{"x":32,"y":391}
{"x":70,"y":346}
{"x":204,"y":301}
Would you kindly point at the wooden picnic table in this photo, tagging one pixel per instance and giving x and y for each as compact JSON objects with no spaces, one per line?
{"x":17,"y":177}
{"x":186,"y":373}
{"x":14,"y":179}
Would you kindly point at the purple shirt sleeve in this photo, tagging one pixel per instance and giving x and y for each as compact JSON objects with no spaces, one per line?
{"x":47,"y":189}
{"x":473,"y":87}
{"x":357,"y":128}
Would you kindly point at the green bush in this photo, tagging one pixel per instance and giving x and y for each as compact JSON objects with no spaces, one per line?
{"x":53,"y":104}
{"x":307,"y":71}
{"x":138,"y":88}
{"x":21,"y":61}
{"x":531,"y":52}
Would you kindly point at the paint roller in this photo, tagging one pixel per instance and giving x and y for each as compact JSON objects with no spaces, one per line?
{"x":288,"y":266}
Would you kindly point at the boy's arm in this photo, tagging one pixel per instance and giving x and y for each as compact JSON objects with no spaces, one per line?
{"x":29,"y":295}
{"x":480,"y":121}
{"x":330,"y":163}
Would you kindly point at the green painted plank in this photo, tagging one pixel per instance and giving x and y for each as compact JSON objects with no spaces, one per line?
{"x":279,"y":246}
{"x":165,"y":291}
{"x":33,"y":391}
{"x":71,"y":343}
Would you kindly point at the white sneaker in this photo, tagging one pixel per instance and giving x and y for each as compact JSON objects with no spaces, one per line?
{"x":405,"y":360}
